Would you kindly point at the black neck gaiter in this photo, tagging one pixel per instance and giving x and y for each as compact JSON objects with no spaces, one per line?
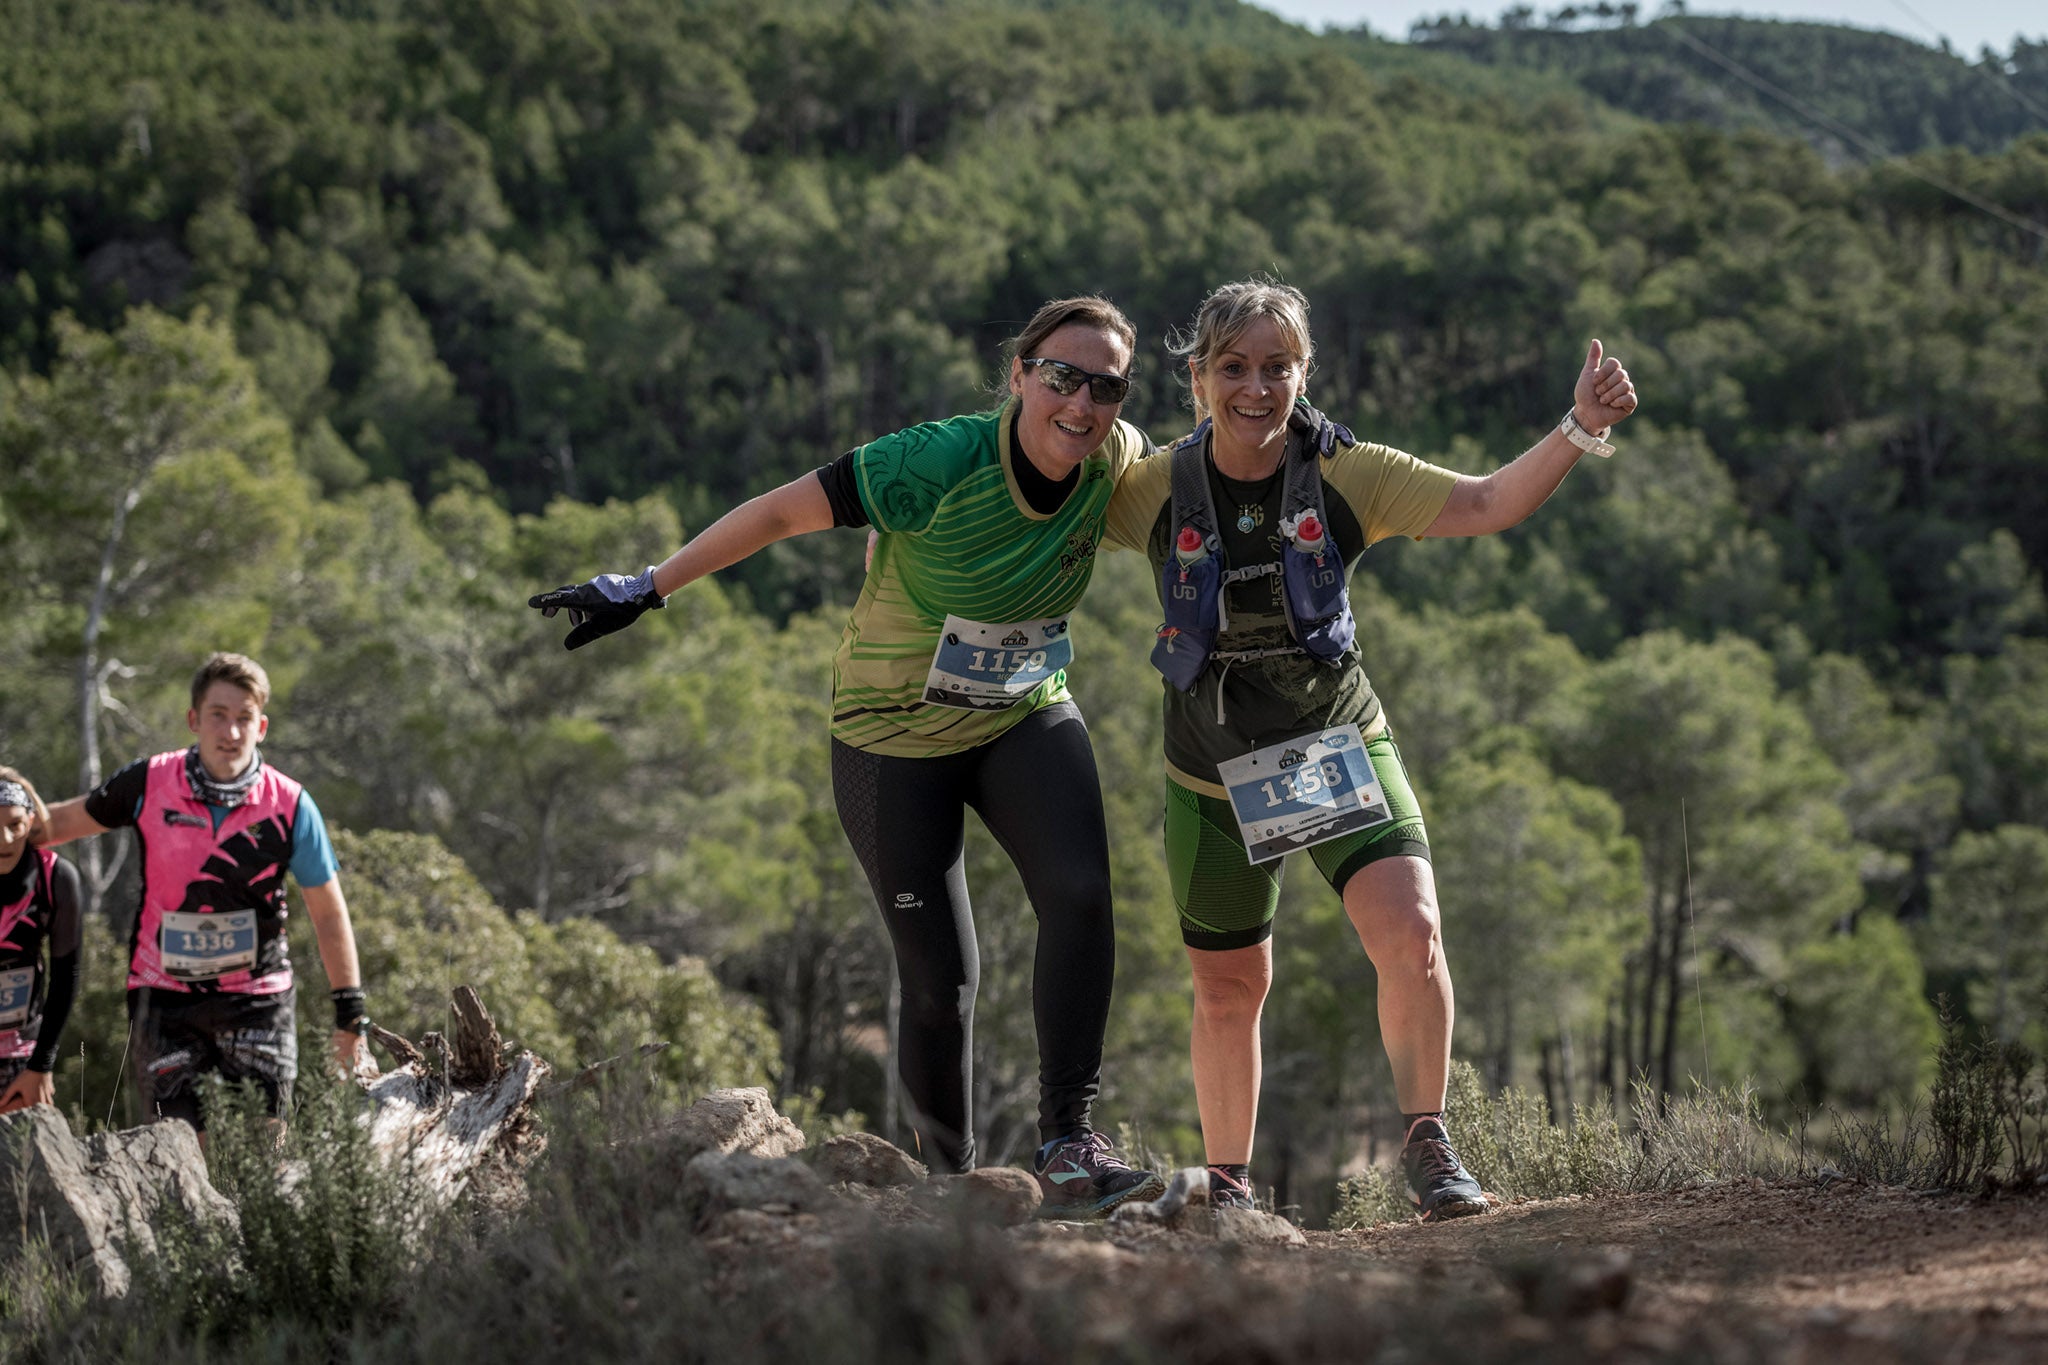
{"x":207,"y":788}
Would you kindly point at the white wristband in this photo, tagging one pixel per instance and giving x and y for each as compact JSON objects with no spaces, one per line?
{"x":1582,"y":438}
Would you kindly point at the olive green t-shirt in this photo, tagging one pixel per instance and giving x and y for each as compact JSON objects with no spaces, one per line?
{"x":1370,"y":492}
{"x":957,"y":537}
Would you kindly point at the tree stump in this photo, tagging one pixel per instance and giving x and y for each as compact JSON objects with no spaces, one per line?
{"x":449,"y":1124}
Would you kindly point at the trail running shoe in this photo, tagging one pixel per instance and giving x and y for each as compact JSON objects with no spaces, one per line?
{"x":1083,"y":1177}
{"x":1437,"y":1181}
{"x":1225,"y":1192}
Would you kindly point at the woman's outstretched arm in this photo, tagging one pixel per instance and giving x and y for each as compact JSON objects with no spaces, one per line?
{"x":1603,"y":396}
{"x":798,"y":507}
{"x":611,"y":602}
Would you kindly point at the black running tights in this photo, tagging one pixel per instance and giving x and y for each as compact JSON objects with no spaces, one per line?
{"x":1035,"y":789}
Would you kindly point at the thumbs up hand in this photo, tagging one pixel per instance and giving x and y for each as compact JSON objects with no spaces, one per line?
{"x":1604,"y":394}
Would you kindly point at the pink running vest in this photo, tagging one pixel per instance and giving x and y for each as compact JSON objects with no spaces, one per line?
{"x":236,"y":873}
{"x":23,"y":926}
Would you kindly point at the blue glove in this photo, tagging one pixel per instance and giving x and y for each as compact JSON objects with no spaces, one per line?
{"x":1317,"y":430}
{"x":606,"y":603}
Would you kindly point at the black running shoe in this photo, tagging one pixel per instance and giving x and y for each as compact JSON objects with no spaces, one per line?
{"x":1226,"y":1192}
{"x":1437,"y":1181}
{"x":1083,"y":1177}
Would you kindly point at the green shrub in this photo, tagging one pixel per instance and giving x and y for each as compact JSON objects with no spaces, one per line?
{"x":326,"y":1231}
{"x":1986,"y":1121}
{"x":570,"y":990}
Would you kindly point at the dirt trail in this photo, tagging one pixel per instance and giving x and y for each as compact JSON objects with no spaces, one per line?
{"x":1753,"y":1271}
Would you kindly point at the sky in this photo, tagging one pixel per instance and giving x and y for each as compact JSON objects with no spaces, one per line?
{"x":1967,"y":24}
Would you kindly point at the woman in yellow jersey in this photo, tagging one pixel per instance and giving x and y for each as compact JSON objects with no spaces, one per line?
{"x":1274,"y":737}
{"x":949,"y":693}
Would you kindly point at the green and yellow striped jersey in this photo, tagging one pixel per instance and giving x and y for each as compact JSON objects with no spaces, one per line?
{"x":957,"y":538}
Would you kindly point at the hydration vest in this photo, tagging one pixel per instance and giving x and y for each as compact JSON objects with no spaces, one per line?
{"x":1192,"y":580}
{"x":24,"y":924}
{"x":188,"y":866}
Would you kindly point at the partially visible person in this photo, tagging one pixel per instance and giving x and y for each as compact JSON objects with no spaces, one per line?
{"x":1275,"y":739}
{"x":210,"y":985}
{"x":39,"y":932}
{"x":949,"y":694}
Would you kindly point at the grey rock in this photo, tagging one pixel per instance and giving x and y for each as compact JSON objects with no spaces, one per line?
{"x":733,"y":1121}
{"x":716,"y":1183}
{"x":864,"y":1159}
{"x":94,"y":1199}
{"x":1185,"y":1208}
{"x":1254,"y":1227}
{"x":1002,"y":1195}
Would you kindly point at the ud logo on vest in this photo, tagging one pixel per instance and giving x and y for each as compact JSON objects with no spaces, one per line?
{"x":178,"y":817}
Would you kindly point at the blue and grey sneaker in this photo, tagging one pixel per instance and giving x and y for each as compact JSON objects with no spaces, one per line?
{"x":1081,"y":1176}
{"x":1437,"y":1181}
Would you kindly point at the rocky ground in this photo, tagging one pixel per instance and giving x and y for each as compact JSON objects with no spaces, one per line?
{"x":736,"y":1232}
{"x":1789,"y":1272}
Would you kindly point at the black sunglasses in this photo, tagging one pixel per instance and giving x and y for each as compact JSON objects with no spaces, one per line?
{"x":1062,"y":378}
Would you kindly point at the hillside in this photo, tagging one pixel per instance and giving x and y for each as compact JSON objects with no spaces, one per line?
{"x":1900,"y":95}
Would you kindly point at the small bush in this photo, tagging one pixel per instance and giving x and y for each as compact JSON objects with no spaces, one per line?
{"x":1983,"y":1126}
{"x":327,"y":1228}
{"x":1376,"y":1195}
{"x":1968,"y":1139}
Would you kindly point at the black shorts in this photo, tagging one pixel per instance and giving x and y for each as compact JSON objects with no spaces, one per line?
{"x":176,"y":1037}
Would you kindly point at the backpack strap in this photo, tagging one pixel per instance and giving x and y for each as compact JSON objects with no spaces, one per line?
{"x":1192,"y":503}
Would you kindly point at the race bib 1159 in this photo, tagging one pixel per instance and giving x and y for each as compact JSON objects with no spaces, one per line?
{"x":983,"y":667}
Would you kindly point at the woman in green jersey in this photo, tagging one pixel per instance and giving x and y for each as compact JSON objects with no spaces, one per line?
{"x":949,"y":693}
{"x":1274,"y":737}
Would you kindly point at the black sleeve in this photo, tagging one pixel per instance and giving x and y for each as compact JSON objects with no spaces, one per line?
{"x":56,"y":1011}
{"x":64,"y":955}
{"x":113,"y":803}
{"x":842,"y":490}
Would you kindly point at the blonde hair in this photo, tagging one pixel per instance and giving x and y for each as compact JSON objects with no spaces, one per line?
{"x":38,"y":813}
{"x":239,"y":669}
{"x":1230,"y":311}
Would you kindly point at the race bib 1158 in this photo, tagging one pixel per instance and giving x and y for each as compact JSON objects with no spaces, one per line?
{"x":1304,"y":791}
